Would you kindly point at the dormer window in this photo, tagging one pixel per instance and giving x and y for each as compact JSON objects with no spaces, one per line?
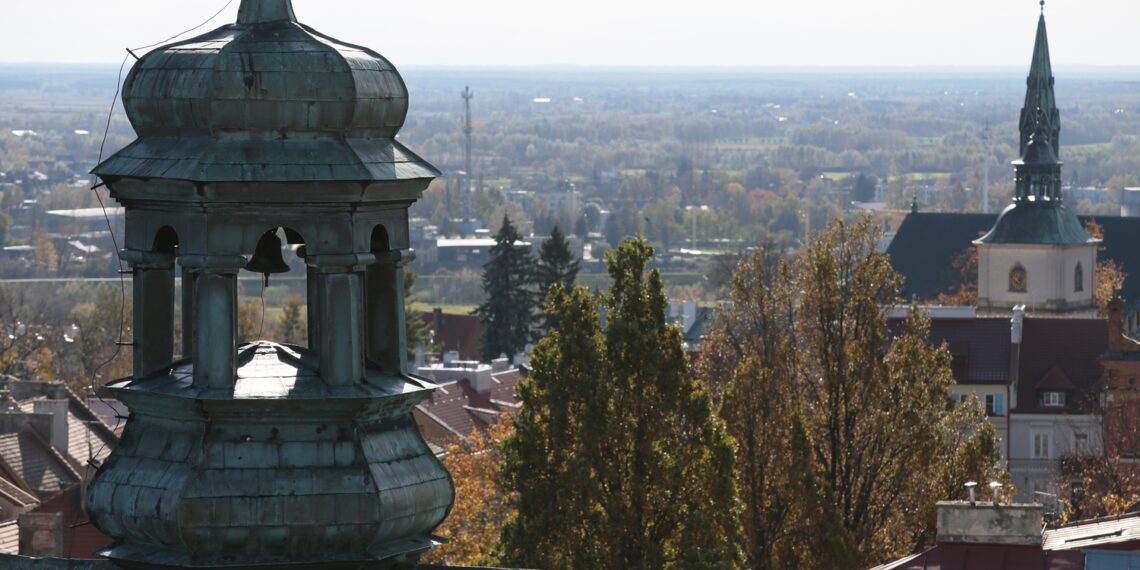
{"x":1078,"y":278}
{"x":1053,"y":398}
{"x":1018,"y":279}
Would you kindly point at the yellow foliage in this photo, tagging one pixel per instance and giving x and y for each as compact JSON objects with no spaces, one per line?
{"x":481,"y":507}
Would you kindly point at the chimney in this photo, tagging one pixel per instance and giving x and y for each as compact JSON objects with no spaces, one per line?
{"x":41,"y":535}
{"x":1016,"y":324}
{"x":500,"y":364}
{"x":421,"y":356}
{"x":483,"y":380}
{"x":961,"y":522}
{"x":689,"y":315}
{"x":1117,"y":341}
{"x":57,"y":409}
{"x":450,"y":357}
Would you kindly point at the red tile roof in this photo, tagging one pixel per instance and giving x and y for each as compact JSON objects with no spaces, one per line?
{"x":460,"y":409}
{"x":34,"y":460}
{"x":1055,"y":379}
{"x":1072,"y":345}
{"x":980,"y":347}
{"x":14,"y":493}
{"x":988,"y":557}
{"x":80,"y":537}
{"x":9,"y":538}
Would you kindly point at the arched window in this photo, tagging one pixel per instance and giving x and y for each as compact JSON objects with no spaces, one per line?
{"x":1079,"y":278}
{"x":1018,"y":279}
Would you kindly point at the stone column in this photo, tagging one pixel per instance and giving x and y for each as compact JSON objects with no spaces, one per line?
{"x":188,"y":276}
{"x":153,"y":309}
{"x":313,"y":303}
{"x":384,"y":305}
{"x":340,"y":307}
{"x":214,"y":318}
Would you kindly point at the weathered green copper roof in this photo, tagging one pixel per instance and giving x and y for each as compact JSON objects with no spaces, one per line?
{"x":1038,"y":152}
{"x":1038,"y":214}
{"x":266,"y":99}
{"x":246,"y":158}
{"x":1040,"y":109}
{"x":1043,"y":223}
{"x":269,"y":371}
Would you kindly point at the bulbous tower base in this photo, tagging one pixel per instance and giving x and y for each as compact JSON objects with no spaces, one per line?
{"x":280,"y":470}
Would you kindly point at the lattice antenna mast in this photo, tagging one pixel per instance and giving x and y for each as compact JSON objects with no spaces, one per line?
{"x":467,"y":95}
{"x":987,"y":140}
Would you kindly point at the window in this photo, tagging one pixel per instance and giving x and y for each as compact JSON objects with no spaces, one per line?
{"x":1041,"y":445}
{"x":1080,"y":442}
{"x":1018,"y":279}
{"x":995,"y":404}
{"x":1052,"y":398}
{"x":1078,"y":278}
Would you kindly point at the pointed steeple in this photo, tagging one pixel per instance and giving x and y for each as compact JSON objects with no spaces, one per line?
{"x":1038,"y":172}
{"x":1040,"y":109}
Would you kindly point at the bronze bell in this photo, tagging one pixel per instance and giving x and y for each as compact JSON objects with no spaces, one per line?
{"x":267,"y":258}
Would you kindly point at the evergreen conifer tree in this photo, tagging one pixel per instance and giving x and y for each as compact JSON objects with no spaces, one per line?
{"x":508,"y":312}
{"x":618,"y":458}
{"x":556,"y":266}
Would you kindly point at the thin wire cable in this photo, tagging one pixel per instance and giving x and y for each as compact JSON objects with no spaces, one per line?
{"x":261,"y":329}
{"x":180,"y":34}
{"x":107,"y":218}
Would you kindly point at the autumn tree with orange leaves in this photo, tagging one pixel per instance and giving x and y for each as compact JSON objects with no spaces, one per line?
{"x":1109,"y":274}
{"x":481,"y":506}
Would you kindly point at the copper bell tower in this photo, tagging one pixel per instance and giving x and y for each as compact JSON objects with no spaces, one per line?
{"x":268,"y":455}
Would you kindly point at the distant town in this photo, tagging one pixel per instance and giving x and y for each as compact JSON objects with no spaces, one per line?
{"x":566,"y":317}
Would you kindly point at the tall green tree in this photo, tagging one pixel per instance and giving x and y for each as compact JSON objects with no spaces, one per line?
{"x":291,"y":326}
{"x":556,"y":266}
{"x":831,"y":407}
{"x":508,"y":314}
{"x":618,"y":457}
{"x":863,"y":189}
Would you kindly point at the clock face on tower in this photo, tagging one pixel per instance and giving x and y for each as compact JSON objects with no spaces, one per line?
{"x":1018,"y":279}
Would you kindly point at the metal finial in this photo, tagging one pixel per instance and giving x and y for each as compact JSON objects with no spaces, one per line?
{"x":265,"y":11}
{"x":1042,"y":6}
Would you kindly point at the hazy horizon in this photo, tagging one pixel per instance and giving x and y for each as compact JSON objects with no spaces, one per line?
{"x":812,"y":34}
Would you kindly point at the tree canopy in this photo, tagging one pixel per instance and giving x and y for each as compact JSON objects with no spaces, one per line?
{"x":508,"y":280}
{"x":618,"y":458}
{"x":847,"y":433}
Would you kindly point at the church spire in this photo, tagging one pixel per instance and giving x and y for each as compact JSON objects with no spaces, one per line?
{"x":1040,"y":110}
{"x":1038,"y":177}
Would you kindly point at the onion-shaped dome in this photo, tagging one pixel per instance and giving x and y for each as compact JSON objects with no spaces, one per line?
{"x":1044,"y":223}
{"x":265,"y":99}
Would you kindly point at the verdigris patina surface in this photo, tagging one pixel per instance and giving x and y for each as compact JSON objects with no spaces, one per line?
{"x":267,"y":455}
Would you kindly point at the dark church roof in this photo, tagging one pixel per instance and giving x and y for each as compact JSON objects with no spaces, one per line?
{"x":926,"y":244}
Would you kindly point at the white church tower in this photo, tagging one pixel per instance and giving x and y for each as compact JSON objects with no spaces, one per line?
{"x":1038,"y":254}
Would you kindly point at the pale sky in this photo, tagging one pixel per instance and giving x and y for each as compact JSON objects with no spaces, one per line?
{"x":616,"y":32}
